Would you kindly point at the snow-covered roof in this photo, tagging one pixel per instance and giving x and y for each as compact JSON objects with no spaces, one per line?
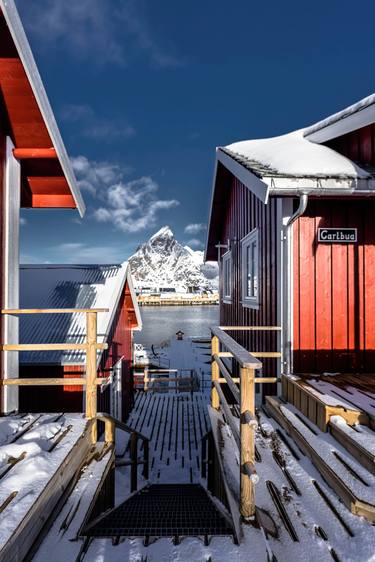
{"x":293,"y":164}
{"x":70,"y":286}
{"x":293,"y":155}
{"x":351,"y":118}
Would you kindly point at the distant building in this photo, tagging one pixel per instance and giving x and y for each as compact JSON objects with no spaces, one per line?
{"x":292,"y":225}
{"x":78,"y":286}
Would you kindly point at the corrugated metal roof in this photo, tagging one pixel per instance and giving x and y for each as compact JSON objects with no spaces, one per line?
{"x":68,"y":286}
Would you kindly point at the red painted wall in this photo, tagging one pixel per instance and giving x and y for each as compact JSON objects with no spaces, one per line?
{"x":334,"y":297}
{"x":70,"y":398}
{"x":244,"y":212}
{"x":358,"y":145}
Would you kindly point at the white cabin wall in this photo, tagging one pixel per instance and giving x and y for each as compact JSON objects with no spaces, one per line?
{"x":11,"y":206}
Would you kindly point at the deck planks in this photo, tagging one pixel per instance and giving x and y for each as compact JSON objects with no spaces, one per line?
{"x":175,"y":425}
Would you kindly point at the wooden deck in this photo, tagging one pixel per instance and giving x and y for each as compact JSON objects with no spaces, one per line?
{"x":320,"y":397}
{"x":175,"y":425}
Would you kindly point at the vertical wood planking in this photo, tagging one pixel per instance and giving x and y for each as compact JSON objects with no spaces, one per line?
{"x":245,"y":212}
{"x":340,"y":278}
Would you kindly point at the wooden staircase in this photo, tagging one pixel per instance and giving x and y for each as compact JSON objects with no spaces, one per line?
{"x":337,"y":439}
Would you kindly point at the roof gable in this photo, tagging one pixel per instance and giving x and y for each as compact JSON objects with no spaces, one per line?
{"x":71,"y":286}
{"x":48,"y":178}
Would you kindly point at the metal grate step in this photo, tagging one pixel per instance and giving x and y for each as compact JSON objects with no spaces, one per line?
{"x":163,"y":510}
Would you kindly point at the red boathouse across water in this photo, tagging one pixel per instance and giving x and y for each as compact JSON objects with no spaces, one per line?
{"x":292,"y":225}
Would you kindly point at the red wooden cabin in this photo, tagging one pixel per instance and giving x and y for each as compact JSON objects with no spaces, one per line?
{"x":34,"y":168}
{"x":78,"y":286}
{"x":294,"y":219}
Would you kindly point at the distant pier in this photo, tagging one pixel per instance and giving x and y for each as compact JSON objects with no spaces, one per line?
{"x":178,"y":300}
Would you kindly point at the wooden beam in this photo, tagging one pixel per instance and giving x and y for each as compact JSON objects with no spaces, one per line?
{"x":91,"y":397}
{"x":215,"y":348}
{"x":228,"y":414}
{"x":228,"y":378}
{"x":247,"y":449}
{"x":32,"y":153}
{"x":50,"y":346}
{"x":17,"y":311}
{"x":252,"y":328}
{"x":50,"y":382}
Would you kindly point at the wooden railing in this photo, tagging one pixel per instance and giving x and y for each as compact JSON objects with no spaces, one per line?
{"x":90,"y":347}
{"x":243,"y":391}
{"x":110,"y":432}
{"x":155,"y":383}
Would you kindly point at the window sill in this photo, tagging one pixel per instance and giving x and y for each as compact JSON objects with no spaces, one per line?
{"x":226,"y":300}
{"x":251,"y":304}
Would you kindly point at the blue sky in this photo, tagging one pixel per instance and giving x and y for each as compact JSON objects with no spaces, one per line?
{"x":143,"y":92}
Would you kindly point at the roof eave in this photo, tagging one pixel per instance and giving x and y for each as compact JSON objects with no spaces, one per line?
{"x":346,"y":124}
{"x":253,"y":182}
{"x":20,"y":40}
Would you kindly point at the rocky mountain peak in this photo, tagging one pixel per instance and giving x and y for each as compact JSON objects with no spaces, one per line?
{"x":162,"y":262}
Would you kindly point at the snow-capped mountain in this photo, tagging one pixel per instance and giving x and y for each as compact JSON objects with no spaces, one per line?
{"x":162,"y":262}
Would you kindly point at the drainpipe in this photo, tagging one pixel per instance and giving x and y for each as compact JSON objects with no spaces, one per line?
{"x":287,"y":367}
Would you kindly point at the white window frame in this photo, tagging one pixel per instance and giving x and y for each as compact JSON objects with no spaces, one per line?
{"x":250,"y":239}
{"x":227,"y":259}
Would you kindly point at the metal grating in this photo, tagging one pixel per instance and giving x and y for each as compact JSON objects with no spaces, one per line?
{"x":163,"y":510}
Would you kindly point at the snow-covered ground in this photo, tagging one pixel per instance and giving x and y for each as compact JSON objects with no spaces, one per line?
{"x":31,"y":451}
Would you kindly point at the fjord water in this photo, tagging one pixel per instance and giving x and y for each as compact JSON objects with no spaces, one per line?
{"x":160,"y":323}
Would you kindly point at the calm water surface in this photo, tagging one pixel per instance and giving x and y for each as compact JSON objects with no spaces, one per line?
{"x":160,"y":323}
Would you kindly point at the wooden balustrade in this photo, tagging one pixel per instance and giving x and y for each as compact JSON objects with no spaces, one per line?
{"x":244,"y":397}
{"x":90,"y":347}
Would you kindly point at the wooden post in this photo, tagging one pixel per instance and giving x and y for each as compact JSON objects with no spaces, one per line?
{"x":247,"y":440}
{"x":215,"y":348}
{"x":146,"y":458}
{"x":145,"y":379}
{"x":91,"y":404}
{"x":133,"y":461}
{"x":110,"y":431}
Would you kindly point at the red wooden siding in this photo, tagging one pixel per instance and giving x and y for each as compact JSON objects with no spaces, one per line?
{"x":358,"y":145}
{"x":244,"y":213}
{"x":334,"y":298}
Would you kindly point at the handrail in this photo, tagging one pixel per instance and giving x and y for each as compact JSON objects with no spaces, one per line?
{"x":251,"y":328}
{"x":17,"y":311}
{"x":244,"y":396}
{"x":243,"y":357}
{"x":110,"y":424}
{"x":91,"y":347}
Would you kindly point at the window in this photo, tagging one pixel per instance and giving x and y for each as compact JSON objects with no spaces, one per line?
{"x":250,"y":269}
{"x":227,"y":277}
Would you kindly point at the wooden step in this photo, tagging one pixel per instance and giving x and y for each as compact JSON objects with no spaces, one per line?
{"x":317,"y":406}
{"x":358,"y":440}
{"x":353,"y":484}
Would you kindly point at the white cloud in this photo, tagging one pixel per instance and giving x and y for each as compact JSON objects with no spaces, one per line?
{"x":93,"y":176}
{"x":195,"y":228}
{"x":133,"y":206}
{"x":195,"y":243}
{"x":101,"y":32}
{"x":129,"y":206}
{"x":94,"y":126}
